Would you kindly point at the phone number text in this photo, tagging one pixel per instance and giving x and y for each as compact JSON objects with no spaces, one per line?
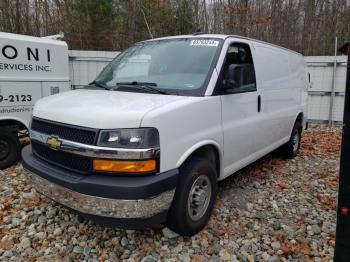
{"x":15,"y":98}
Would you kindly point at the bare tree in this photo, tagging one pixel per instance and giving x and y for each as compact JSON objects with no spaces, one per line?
{"x":307,"y":26}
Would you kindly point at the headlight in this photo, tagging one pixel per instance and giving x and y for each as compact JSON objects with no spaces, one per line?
{"x":129,"y":138}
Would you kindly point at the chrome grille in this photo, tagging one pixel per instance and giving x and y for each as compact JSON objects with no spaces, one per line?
{"x":73,"y":133}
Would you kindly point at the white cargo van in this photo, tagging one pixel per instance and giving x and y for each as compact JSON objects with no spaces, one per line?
{"x":149,"y":139}
{"x":30,"y":68}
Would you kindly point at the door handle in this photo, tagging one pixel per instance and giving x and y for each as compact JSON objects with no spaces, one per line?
{"x":259,"y":103}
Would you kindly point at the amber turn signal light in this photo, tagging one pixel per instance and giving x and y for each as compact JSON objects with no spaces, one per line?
{"x":124,"y":166}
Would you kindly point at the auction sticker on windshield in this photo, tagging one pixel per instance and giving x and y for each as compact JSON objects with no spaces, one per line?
{"x":204,"y":42}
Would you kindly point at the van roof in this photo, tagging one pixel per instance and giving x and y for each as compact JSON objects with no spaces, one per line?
{"x":222,"y":36}
{"x":31,"y":39}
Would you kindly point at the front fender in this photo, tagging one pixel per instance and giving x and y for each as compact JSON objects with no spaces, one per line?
{"x":195,"y":147}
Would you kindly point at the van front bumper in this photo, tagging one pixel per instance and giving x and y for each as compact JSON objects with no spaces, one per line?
{"x":128,"y":202}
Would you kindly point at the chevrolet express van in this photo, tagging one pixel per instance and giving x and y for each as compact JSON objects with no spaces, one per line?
{"x":30,"y":68}
{"x":149,"y":139}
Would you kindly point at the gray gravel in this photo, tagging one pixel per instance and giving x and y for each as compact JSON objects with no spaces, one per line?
{"x":274,"y":210}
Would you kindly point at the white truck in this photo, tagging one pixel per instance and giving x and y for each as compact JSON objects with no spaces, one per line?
{"x":149,"y":139}
{"x":30,"y":68}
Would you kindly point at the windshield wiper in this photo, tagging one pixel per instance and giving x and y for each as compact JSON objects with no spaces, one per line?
{"x":150,"y":87}
{"x":137,"y":83}
{"x":99,"y":84}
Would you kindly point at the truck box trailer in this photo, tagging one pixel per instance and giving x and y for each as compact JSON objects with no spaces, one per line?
{"x":30,"y":68}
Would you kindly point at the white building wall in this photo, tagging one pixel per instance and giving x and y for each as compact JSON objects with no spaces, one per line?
{"x":86,"y":65}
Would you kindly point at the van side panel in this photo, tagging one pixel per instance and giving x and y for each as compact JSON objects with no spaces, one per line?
{"x":305,"y":84}
{"x":281,"y":81}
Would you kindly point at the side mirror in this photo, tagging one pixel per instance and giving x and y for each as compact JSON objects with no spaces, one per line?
{"x":234,"y":76}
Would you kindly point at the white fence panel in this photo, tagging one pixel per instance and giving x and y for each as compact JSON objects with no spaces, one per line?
{"x":321,"y":70}
{"x":319,"y":107}
{"x":86,"y":65}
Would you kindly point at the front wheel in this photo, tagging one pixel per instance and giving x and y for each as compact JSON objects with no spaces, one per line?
{"x":10,"y":149}
{"x":194,"y":197}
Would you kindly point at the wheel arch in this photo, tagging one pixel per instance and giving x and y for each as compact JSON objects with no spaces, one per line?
{"x":300,"y":118}
{"x":208,"y":149}
{"x":13,"y":123}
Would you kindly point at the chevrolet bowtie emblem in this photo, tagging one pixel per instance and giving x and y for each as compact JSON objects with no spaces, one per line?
{"x":54,"y":142}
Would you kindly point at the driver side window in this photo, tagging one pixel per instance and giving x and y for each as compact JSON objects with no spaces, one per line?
{"x":238,"y":72}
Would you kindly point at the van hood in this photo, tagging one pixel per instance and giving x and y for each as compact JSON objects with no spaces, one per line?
{"x":100,"y":109}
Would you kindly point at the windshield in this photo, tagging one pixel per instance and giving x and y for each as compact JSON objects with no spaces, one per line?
{"x":175,"y":66}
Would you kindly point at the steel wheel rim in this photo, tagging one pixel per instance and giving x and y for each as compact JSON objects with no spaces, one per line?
{"x":296,"y":141}
{"x":199,"y":197}
{"x":4,"y":149}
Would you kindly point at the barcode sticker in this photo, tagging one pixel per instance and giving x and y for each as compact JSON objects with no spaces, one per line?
{"x":203,"y":42}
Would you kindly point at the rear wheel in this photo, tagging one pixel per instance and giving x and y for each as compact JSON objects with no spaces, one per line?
{"x":194,"y":197}
{"x":291,"y":148}
{"x":10,"y":149}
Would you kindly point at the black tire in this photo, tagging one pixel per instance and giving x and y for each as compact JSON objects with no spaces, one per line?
{"x":291,"y":148}
{"x":195,"y":171}
{"x":10,"y":149}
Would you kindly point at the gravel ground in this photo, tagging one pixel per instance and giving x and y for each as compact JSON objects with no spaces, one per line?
{"x":274,"y":210}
